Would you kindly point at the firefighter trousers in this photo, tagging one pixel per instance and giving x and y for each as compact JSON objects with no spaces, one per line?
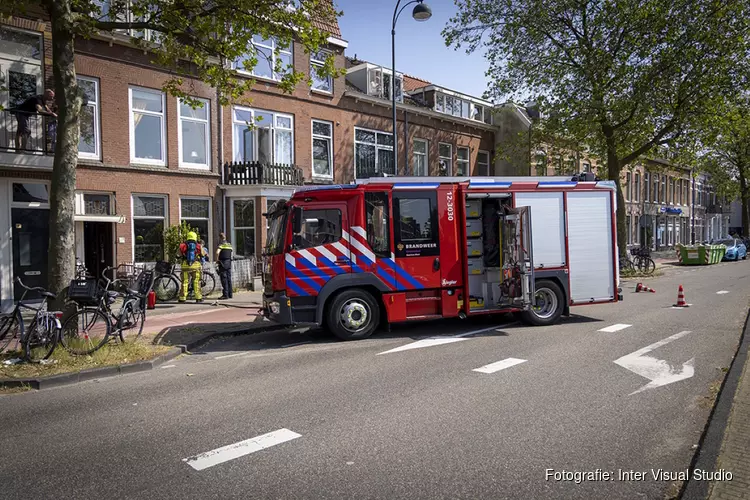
{"x":191,"y":273}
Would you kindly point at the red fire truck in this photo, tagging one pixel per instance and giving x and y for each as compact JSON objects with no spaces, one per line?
{"x":397,"y":249}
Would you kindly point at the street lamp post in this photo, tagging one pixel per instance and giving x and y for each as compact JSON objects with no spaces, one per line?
{"x":421,"y":12}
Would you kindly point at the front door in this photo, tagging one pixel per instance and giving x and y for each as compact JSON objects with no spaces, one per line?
{"x":320,"y":250}
{"x":416,"y":239}
{"x":30,"y":248}
{"x":97,"y":238}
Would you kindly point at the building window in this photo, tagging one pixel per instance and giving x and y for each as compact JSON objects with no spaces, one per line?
{"x":193,"y":135}
{"x":637,"y":188}
{"x":373,"y":153}
{"x":664,"y":189}
{"x":147,"y":127}
{"x":88,"y":142}
{"x":96,"y":204}
{"x":32,"y":193}
{"x":149,"y":220}
{"x":671,"y":191}
{"x":462,"y":161}
{"x":628,"y":181}
{"x":686,"y":190}
{"x":379,"y":84}
{"x":440,"y":103}
{"x":477,"y":112}
{"x":445,"y":158}
{"x":541,"y":163}
{"x":483,"y":163}
{"x":678,"y":195}
{"x":586,"y":167}
{"x":655,"y":197}
{"x":274,"y":60}
{"x":647,"y":185}
{"x":420,"y":157}
{"x":637,"y":229}
{"x":322,"y":147}
{"x":629,"y":229}
{"x":320,"y":83}
{"x":263,"y":136}
{"x":197,"y":213}
{"x":243,"y":225}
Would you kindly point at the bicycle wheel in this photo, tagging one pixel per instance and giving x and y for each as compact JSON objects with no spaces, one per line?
{"x":86,"y":331}
{"x":208,"y":283}
{"x":39,"y":342}
{"x":625,"y":264}
{"x":166,"y":288}
{"x":10,"y":332}
{"x":647,"y":265}
{"x":131,"y":321}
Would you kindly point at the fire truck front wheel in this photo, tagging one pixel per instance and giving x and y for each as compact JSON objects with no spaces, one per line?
{"x":354,"y":314}
{"x":550,"y":302}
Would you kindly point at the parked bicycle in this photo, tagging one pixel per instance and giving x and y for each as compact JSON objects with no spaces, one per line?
{"x":640,"y":261}
{"x":40,"y":339}
{"x":105,"y":309}
{"x":169,"y":280}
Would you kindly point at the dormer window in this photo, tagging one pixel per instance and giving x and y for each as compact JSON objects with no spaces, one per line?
{"x":463,"y":107}
{"x":380,"y":84}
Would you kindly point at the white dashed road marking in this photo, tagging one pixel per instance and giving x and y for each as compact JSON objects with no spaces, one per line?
{"x":442,"y":340}
{"x":499,"y":365}
{"x":722,"y":292}
{"x":237,"y":450}
{"x":615,"y":328}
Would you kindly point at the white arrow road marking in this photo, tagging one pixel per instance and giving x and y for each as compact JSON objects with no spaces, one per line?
{"x":615,"y":328}
{"x":433,"y":341}
{"x":722,"y":292}
{"x":237,"y":450}
{"x":499,"y":365}
{"x":657,"y":371}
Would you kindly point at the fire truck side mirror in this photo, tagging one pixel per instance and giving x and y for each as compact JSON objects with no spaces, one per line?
{"x":296,"y":220}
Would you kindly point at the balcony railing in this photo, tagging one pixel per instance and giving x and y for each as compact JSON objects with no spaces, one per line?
{"x":250,"y":173}
{"x":22,"y":132}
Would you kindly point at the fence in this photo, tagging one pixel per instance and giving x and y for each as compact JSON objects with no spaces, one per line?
{"x":37,"y":132}
{"x":244,"y":272}
{"x":249,"y":173}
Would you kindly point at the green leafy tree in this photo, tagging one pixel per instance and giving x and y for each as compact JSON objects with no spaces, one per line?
{"x":190,"y":38}
{"x":623,"y":76}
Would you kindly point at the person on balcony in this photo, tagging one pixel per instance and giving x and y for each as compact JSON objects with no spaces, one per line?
{"x":191,"y":253}
{"x":39,"y":104}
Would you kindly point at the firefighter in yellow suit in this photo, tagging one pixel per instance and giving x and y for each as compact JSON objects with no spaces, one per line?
{"x":191,"y":267}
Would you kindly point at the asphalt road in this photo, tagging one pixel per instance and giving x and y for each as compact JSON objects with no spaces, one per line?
{"x":361,"y":422}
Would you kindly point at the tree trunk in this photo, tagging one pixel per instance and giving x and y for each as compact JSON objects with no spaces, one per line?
{"x":62,"y":195}
{"x":744,"y":200}
{"x":613,"y":173}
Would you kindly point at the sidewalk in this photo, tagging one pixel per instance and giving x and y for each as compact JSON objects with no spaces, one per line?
{"x":189,"y":323}
{"x":734,"y":456}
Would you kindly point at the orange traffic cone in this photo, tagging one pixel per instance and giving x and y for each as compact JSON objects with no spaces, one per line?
{"x":681,"y":298}
{"x":645,"y":288}
{"x":638,"y":287}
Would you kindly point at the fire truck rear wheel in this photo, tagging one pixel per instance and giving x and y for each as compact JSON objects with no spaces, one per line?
{"x":550,"y":303}
{"x":353,"y":315}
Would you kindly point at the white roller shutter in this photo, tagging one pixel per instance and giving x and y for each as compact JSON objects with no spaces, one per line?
{"x":547,"y":227}
{"x":590,"y":245}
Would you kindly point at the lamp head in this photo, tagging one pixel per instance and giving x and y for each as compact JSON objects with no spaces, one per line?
{"x":421,"y":12}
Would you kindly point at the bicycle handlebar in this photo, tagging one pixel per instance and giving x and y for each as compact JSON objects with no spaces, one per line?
{"x":29,"y":289}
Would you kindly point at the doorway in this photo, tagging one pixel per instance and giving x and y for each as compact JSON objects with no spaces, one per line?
{"x":30,"y":248}
{"x":98,"y":254}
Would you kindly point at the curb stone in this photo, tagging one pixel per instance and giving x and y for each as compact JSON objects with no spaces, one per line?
{"x":63,"y":379}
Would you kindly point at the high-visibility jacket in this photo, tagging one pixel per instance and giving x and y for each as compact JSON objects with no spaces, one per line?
{"x":224,"y":255}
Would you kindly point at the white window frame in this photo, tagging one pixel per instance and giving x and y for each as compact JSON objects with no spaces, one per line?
{"x":377,"y":146}
{"x":133,"y":217}
{"x":277,"y":77}
{"x":449,"y":171}
{"x":481,"y":164}
{"x":208,"y":237}
{"x":96,"y":155}
{"x":162,"y":116}
{"x":206,"y":123}
{"x":234,"y":228}
{"x":467,"y":161}
{"x":316,"y":62}
{"x":426,"y":156}
{"x":330,"y":147}
{"x":253,"y":111}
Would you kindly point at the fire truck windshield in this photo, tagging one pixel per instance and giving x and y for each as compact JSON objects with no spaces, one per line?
{"x":276,"y":232}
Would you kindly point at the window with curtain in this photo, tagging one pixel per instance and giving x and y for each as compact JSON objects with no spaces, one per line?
{"x":322,"y":144}
{"x":147,"y":126}
{"x":445,"y":158}
{"x":193,"y":134}
{"x":462,"y":161}
{"x":420,"y":157}
{"x":262,"y":136}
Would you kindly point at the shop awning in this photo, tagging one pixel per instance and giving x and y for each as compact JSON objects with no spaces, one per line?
{"x":117,"y":219}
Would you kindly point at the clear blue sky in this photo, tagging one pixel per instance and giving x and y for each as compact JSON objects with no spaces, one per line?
{"x":420,"y":49}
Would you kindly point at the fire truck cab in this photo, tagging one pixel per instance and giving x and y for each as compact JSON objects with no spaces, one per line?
{"x":397,"y":249}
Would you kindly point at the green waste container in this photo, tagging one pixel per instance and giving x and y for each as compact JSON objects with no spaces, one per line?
{"x":702,"y":255}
